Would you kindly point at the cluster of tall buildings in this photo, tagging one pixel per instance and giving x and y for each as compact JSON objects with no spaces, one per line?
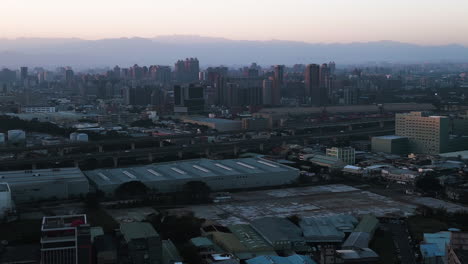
{"x":318,"y":83}
{"x":187,"y":70}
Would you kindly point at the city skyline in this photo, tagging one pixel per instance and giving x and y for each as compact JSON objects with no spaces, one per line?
{"x":419,"y":22}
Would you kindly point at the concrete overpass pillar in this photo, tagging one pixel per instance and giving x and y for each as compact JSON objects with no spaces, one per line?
{"x":207,"y":152}
{"x":180,"y":154}
{"x":236,"y":150}
{"x":150,"y":157}
{"x":77,"y":163}
{"x":262,"y":147}
{"x":116,"y":161}
{"x":101,"y":148}
{"x":161,"y":144}
{"x":132,"y":146}
{"x":34,"y":166}
{"x":350,"y":127}
{"x":381,"y":124}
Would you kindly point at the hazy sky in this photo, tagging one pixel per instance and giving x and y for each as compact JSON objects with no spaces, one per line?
{"x":415,"y":21}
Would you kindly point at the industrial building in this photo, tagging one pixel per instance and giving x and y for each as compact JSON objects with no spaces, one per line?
{"x":6,"y":204}
{"x":219,"y":124}
{"x":329,"y":229}
{"x":241,"y":240}
{"x":43,"y":184}
{"x":280,"y":232}
{"x":217,"y":174}
{"x":293,"y":259}
{"x":390,"y":144}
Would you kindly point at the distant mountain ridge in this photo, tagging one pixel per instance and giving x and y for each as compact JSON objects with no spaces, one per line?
{"x":165,"y":50}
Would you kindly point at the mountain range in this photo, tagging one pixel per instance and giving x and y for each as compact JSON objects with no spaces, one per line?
{"x":165,"y":50}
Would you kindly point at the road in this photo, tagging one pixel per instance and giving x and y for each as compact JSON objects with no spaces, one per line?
{"x":204,"y":148}
{"x":403,"y":245}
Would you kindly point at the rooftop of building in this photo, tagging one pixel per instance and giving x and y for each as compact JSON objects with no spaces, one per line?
{"x":294,"y":259}
{"x":362,"y":254}
{"x":440,"y":240}
{"x":327,"y":228}
{"x":357,"y":240}
{"x":170,"y":252}
{"x":390,"y":137}
{"x":42,"y":175}
{"x":202,"y":242}
{"x":367,"y":224}
{"x":4,"y":187}
{"x":63,"y":221}
{"x":250,"y":238}
{"x":277,"y":229}
{"x":462,"y":154}
{"x":185,"y":170}
{"x":430,"y":251}
{"x":211,"y":120}
{"x":136,"y":230}
{"x":228,"y":241}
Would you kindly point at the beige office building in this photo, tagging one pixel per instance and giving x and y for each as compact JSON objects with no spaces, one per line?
{"x":347,"y":155}
{"x":427,"y":134}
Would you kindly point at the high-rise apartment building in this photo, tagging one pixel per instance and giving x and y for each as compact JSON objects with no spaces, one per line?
{"x":313,"y":88}
{"x":267,"y":92}
{"x":65,"y":240}
{"x":278,"y":81}
{"x":23,"y":73}
{"x":188,"y":70}
{"x":426,"y":134}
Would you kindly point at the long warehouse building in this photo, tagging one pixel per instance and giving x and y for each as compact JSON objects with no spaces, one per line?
{"x":44,"y":184}
{"x":217,"y":174}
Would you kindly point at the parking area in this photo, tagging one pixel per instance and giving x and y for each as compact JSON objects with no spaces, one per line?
{"x":304,"y":201}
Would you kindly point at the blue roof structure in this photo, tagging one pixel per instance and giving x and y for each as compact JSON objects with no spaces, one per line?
{"x":294,"y":259}
{"x":434,"y":244}
{"x":430,"y":251}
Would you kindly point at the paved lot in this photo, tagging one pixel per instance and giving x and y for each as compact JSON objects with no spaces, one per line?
{"x":306,"y":201}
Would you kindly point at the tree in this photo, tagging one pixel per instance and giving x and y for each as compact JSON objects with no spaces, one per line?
{"x":295,"y":219}
{"x":131,"y":189}
{"x":142,"y":123}
{"x":197,"y":191}
{"x":429,"y":184}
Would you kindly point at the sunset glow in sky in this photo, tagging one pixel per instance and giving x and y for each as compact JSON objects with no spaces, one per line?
{"x":415,"y":21}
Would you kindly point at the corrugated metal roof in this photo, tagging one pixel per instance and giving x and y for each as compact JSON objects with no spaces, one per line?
{"x":357,"y":240}
{"x":250,"y":238}
{"x":277,"y":229}
{"x":137,"y":230}
{"x":42,"y":175}
{"x":327,"y":228}
{"x":190,"y":169}
{"x":294,"y":259}
{"x":367,"y":224}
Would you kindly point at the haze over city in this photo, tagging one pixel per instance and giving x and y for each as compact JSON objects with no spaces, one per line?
{"x":429,"y":22}
{"x":234,"y":132}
